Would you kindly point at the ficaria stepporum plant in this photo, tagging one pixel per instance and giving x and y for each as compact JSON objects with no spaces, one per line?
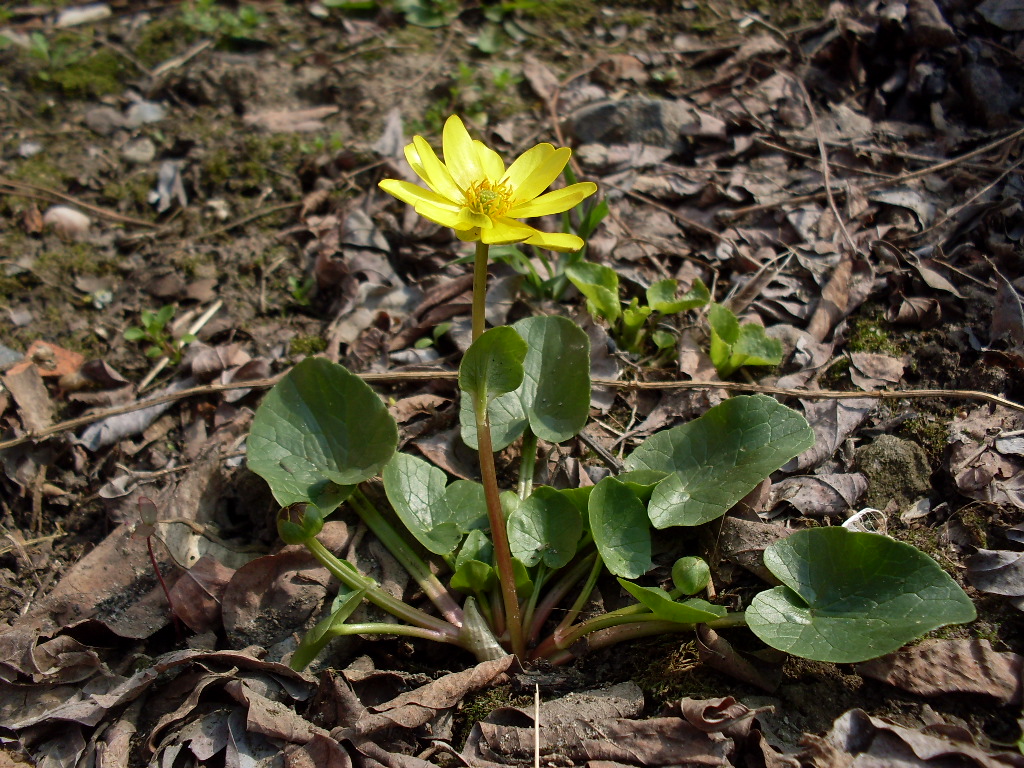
{"x":519,"y":567}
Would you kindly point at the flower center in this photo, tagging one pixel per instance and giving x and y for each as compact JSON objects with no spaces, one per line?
{"x":489,"y":198}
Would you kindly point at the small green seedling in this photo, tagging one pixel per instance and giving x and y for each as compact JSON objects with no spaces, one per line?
{"x":301,"y":289}
{"x":154,"y":332}
{"x":630,"y":326}
{"x":514,"y":570}
{"x":734,"y":346}
{"x":435,"y":335}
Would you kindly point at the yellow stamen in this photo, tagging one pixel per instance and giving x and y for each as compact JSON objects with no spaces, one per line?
{"x":489,"y":198}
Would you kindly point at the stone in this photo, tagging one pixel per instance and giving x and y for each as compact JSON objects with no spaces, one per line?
{"x":897,"y":471}
{"x":657,"y":122}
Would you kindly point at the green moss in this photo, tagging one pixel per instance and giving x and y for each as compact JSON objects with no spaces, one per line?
{"x":74,"y":259}
{"x":872,"y":334}
{"x":163,"y":38}
{"x":134,"y":188}
{"x":476,"y":706}
{"x":568,"y":14}
{"x":41,"y":170}
{"x":932,"y":434}
{"x":303,"y":346}
{"x":250,"y":165}
{"x":836,"y":375}
{"x":96,"y":75}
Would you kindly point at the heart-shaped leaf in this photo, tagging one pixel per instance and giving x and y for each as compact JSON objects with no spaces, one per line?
{"x":317,"y":431}
{"x":693,"y":611}
{"x":493,"y":365}
{"x":717,"y":459}
{"x":621,"y":530}
{"x":545,"y":527}
{"x":556,"y":387}
{"x":508,"y":420}
{"x":416,"y":490}
{"x":851,"y":596}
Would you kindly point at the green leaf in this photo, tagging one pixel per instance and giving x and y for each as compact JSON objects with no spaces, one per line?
{"x":600,"y":285}
{"x":717,"y":459}
{"x":472,"y":577}
{"x":754,"y":348}
{"x":318,"y":430}
{"x":850,"y":596}
{"x":690,"y":575}
{"x":134,"y":334}
{"x":545,"y":527}
{"x":465,"y":500}
{"x":733,"y":346}
{"x":662,"y":296}
{"x":493,"y":365}
{"x":476,"y":547}
{"x":508,"y":420}
{"x":620,"y":528}
{"x":642,"y":482}
{"x":416,"y":490}
{"x":594,"y":215}
{"x":164,"y":315}
{"x":693,"y":611}
{"x":345,"y":603}
{"x":556,"y":387}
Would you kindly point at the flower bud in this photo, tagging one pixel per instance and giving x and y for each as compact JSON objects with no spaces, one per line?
{"x":298,"y":523}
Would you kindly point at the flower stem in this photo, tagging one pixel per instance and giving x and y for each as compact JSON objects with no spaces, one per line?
{"x":355,"y":580}
{"x":489,"y":475}
{"x":479,"y":288}
{"x":499,"y":534}
{"x":412,"y":562}
{"x":527,"y":463}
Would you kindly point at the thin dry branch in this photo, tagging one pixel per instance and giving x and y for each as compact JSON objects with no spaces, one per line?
{"x":396,"y":377}
{"x":737,"y":213}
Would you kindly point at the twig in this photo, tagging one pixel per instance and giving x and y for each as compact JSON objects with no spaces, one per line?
{"x":737,"y":213}
{"x":826,"y":176}
{"x":396,"y":377}
{"x":195,"y":328}
{"x":45,"y":193}
{"x":686,"y":222}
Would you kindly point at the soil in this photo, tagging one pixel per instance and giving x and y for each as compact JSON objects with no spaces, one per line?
{"x":247,"y":227}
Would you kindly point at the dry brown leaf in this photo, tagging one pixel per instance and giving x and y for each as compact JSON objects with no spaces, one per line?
{"x":860,"y":740}
{"x":291,"y":120}
{"x":935,"y":667}
{"x":832,"y":421}
{"x":871,"y":371}
{"x":196,"y":595}
{"x":35,"y":407}
{"x":820,"y":495}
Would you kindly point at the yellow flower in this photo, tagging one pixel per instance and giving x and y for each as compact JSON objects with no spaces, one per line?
{"x":473,"y":193}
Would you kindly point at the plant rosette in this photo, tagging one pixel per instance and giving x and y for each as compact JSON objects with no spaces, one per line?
{"x":498,"y":565}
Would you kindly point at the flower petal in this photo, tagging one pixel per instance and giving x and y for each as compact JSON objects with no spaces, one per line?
{"x":554,"y":202}
{"x":442,"y":215}
{"x":470,"y":220}
{"x":434,"y":172}
{"x":506,"y":230}
{"x":527,"y":163}
{"x":490,"y":161}
{"x":468,"y":235}
{"x":460,"y":154}
{"x":412,"y":157}
{"x":556,"y":241}
{"x":535,"y":169}
{"x":412,"y":194}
